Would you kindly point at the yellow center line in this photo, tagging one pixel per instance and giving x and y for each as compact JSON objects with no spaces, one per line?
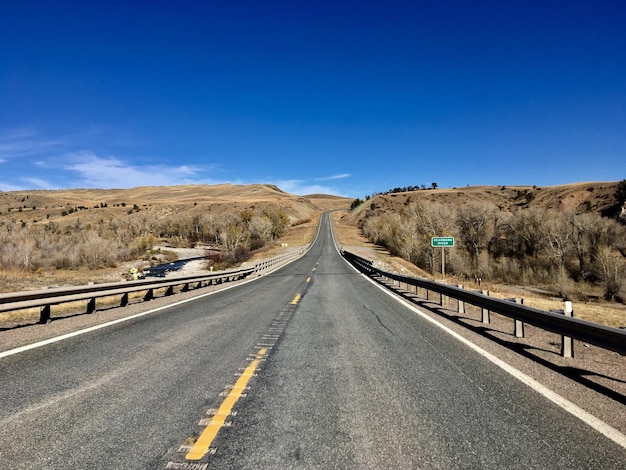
{"x":296,"y":299}
{"x":201,"y":447}
{"x":308,"y":279}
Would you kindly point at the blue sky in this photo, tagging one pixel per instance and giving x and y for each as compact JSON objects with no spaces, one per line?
{"x":346,"y":98}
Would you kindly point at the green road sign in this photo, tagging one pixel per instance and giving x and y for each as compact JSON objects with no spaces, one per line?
{"x":442,"y":241}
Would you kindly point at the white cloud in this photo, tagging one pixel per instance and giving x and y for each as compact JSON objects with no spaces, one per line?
{"x":19,"y":144}
{"x":111,"y":172}
{"x":303,"y":188}
{"x":9,"y":187}
{"x":38,"y":183}
{"x":334,"y":177}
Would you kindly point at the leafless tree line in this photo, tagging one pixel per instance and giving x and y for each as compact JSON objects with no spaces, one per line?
{"x":78,"y":244}
{"x":531,"y":246}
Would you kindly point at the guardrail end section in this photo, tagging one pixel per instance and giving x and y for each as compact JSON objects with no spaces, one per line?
{"x":44,"y":314}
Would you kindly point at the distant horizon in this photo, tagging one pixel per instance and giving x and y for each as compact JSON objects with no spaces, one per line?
{"x":371,"y":193}
{"x":342,"y":98}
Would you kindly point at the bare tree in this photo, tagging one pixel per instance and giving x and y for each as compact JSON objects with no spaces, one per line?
{"x":557,"y":242}
{"x":611,"y":265}
{"x":232,"y":233}
{"x":430,"y":220}
{"x":260,"y":227}
{"x":529,"y":226}
{"x":476,"y":225}
{"x":95,"y":250}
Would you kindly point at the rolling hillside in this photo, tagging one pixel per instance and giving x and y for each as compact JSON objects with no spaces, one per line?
{"x":158,"y":201}
{"x":576,"y":197}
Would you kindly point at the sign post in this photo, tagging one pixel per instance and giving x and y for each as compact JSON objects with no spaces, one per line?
{"x":443,"y":242}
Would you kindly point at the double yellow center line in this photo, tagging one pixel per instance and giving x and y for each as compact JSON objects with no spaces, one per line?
{"x":208,"y":435}
{"x":201,"y":447}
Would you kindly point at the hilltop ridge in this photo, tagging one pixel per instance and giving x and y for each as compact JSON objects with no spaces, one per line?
{"x":36,"y":206}
{"x":575,"y":197}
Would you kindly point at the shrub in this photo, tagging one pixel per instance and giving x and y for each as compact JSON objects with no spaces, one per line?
{"x":356,"y":203}
{"x":256,"y":244}
{"x":241,"y":254}
{"x":620,"y":192}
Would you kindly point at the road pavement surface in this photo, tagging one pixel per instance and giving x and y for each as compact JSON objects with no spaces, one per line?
{"x":311,"y":366}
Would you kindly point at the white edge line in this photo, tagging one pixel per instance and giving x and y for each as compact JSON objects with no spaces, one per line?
{"x":597,"y":424}
{"x":56,"y":339}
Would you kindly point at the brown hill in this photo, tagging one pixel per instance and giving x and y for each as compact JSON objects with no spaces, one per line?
{"x":39,"y":206}
{"x":577,"y":197}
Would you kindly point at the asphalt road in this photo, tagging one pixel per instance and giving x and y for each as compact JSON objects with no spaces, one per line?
{"x":309,"y":367}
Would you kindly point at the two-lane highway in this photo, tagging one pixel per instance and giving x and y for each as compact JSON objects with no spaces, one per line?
{"x":309,"y":367}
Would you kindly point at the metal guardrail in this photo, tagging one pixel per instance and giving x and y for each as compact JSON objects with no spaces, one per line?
{"x":45,"y":298}
{"x":606,"y":337}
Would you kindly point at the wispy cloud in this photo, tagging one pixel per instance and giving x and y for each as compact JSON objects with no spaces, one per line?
{"x":334,"y":177}
{"x":24,"y":143}
{"x":303,"y":188}
{"x":39,"y":183}
{"x":111,"y":172}
{"x":10,"y":187}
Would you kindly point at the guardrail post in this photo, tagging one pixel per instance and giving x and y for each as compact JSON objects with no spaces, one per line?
{"x":44,"y":314}
{"x":185,"y":287}
{"x":442,"y":298}
{"x":519,"y":324}
{"x":567,"y":344}
{"x":599,"y":335}
{"x":91,"y":305}
{"x":149,"y":295}
{"x":485,"y":312}
{"x":124,"y":300}
{"x":169,"y":291}
{"x":461,"y":304}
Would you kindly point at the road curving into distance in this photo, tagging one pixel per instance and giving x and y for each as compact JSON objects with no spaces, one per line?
{"x":311,"y":366}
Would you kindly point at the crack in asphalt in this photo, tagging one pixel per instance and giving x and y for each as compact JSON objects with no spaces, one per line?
{"x":378,"y":318}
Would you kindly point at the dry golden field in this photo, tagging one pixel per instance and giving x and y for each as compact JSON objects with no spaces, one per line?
{"x":41,"y":207}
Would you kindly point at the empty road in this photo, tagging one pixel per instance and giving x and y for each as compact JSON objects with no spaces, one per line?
{"x":311,"y":366}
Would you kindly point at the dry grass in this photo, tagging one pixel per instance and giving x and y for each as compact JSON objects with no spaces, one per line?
{"x":68,"y":309}
{"x":350,"y":237}
{"x":580,"y":197}
{"x":605,"y":313}
{"x":161,"y":201}
{"x":155,"y":202}
{"x":15,"y":280}
{"x":158,"y":202}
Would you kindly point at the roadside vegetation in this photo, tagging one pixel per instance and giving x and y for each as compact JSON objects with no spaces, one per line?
{"x":576,"y":253}
{"x":93,"y":245}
